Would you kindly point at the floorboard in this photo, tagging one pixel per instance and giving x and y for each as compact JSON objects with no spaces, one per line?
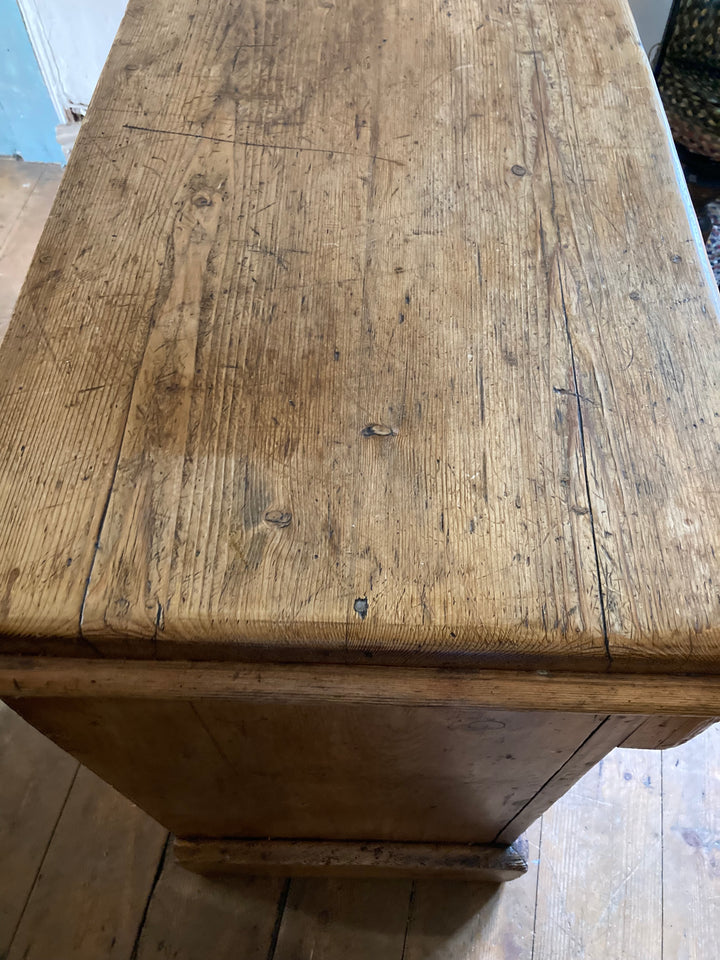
{"x":27,"y":191}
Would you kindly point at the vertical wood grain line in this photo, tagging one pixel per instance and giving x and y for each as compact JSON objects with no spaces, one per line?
{"x":581,"y":426}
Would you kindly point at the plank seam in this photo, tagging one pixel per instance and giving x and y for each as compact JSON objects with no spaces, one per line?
{"x":537,"y":889}
{"x":153,"y":885}
{"x":409,"y":920}
{"x":42,"y":859}
{"x":557,"y":773}
{"x":282,"y":903}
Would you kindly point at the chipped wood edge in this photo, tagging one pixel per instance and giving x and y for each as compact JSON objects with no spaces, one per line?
{"x":309,"y":858}
{"x":687,"y":696}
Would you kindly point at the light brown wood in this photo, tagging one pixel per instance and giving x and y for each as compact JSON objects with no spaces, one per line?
{"x":691,"y":837}
{"x":35,"y":778}
{"x":612,"y":731}
{"x":27,"y":191}
{"x":325,"y":771}
{"x":194,"y":918}
{"x":599,"y":896}
{"x":190,"y":916}
{"x":40,"y":677}
{"x":315,"y":858}
{"x":373,"y":305}
{"x":90,"y":896}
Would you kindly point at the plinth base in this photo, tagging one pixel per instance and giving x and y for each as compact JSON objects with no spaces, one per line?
{"x":354,"y":859}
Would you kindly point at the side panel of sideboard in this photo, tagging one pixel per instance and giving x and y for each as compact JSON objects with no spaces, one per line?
{"x":336,"y":771}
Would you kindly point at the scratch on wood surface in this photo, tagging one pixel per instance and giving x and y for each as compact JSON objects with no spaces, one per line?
{"x":264,"y":146}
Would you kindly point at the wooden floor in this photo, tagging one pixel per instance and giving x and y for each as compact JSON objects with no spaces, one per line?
{"x":625,"y":867}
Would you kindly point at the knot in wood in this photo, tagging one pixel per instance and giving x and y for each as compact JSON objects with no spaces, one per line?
{"x":377,"y":430}
{"x":278,"y":518}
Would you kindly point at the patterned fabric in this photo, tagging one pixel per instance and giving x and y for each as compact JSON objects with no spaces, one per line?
{"x":689,"y":77}
{"x":712,"y":244}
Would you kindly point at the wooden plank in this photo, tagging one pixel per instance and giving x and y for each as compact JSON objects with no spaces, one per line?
{"x":18,"y":241}
{"x":35,"y":778}
{"x":352,"y":919}
{"x":660,"y":733}
{"x":314,"y":858}
{"x":599,"y":886}
{"x":691,"y":839}
{"x":305,"y":304}
{"x":329,"y":683}
{"x":337,"y":771}
{"x":612,"y":731}
{"x":643,"y":328}
{"x":192,"y":918}
{"x":479,"y":921}
{"x":90,"y":896}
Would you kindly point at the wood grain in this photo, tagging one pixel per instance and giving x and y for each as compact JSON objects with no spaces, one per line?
{"x":449,"y":921}
{"x":599,"y":895}
{"x":366,"y":331}
{"x":353,"y":919}
{"x":314,"y":858}
{"x":192,"y":918}
{"x":661,"y":733}
{"x":685,"y":698}
{"x":90,"y":896}
{"x":35,"y":778}
{"x":691,"y":840}
{"x":27,"y":191}
{"x":320,"y":771}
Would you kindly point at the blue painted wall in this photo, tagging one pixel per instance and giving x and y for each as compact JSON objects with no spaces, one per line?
{"x":27,"y":116}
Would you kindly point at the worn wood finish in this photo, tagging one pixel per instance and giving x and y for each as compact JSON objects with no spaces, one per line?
{"x":691,"y":841}
{"x":612,"y":730}
{"x":307,"y":858}
{"x":600,"y":898}
{"x":190,"y":917}
{"x":27,"y":191}
{"x":334,"y":771}
{"x":315,"y":285}
{"x":103,"y":857}
{"x":660,"y":733}
{"x":35,"y":779}
{"x":40,"y":677}
{"x":375,"y":334}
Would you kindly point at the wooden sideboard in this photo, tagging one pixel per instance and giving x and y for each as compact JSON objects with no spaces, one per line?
{"x":360,"y":428}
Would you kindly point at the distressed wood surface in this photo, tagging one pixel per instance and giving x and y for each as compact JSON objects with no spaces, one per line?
{"x":313,"y":858}
{"x":367,"y":330}
{"x":691,"y":848}
{"x":685,"y":698}
{"x":599,"y":894}
{"x":324,"y":771}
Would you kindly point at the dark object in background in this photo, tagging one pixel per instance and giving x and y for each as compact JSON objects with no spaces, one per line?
{"x":688,"y":77}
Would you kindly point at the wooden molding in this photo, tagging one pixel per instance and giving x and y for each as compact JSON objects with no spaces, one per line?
{"x":353,"y":859}
{"x":419,"y":686}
